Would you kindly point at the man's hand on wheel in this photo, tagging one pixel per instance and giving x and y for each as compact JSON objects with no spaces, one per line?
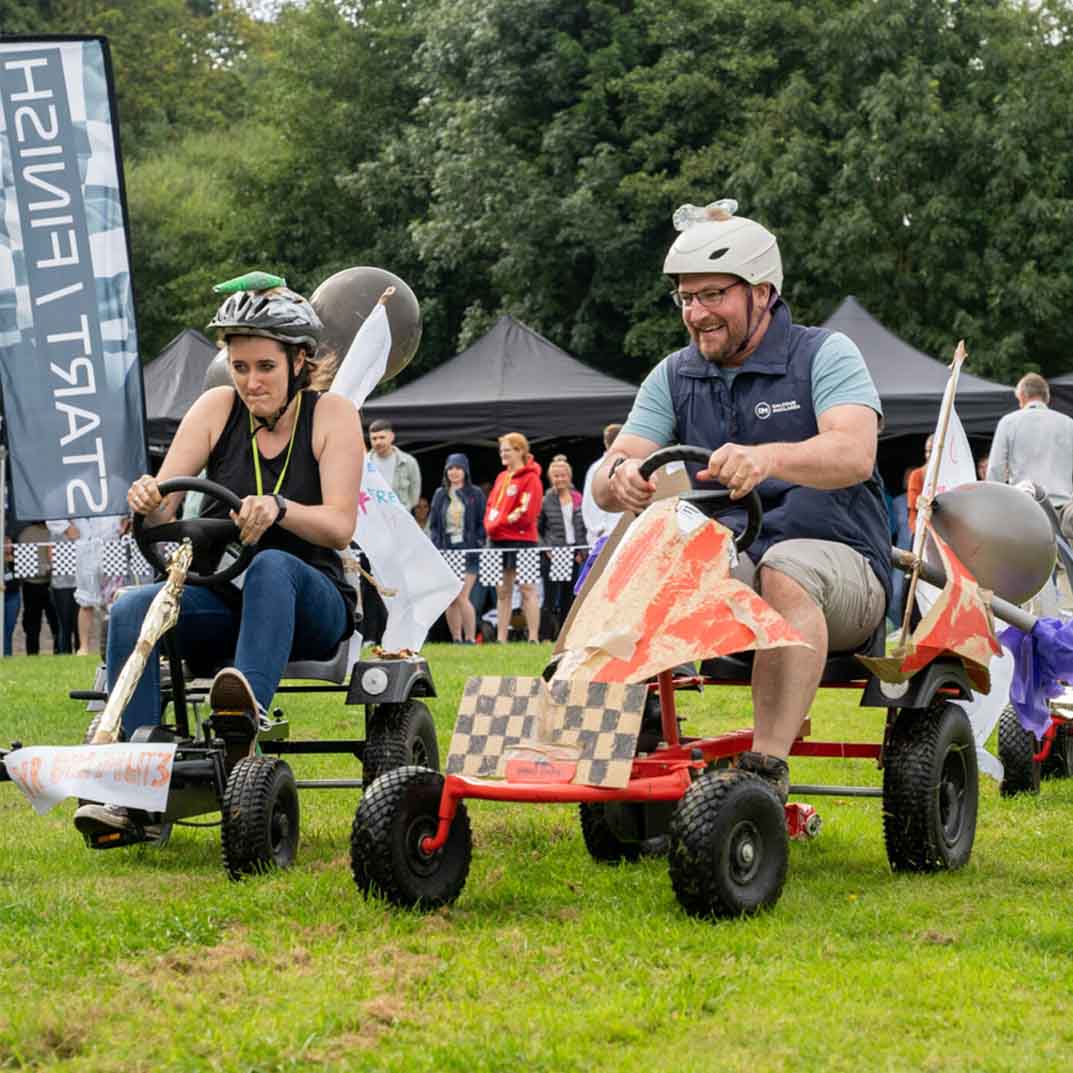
{"x":740,"y":467}
{"x":629,"y":487}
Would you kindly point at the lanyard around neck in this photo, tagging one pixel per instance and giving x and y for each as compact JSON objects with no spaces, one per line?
{"x":257,"y":454}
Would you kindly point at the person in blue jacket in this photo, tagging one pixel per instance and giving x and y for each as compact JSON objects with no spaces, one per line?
{"x":456,"y":521}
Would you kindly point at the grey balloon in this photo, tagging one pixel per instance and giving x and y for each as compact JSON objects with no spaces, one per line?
{"x":218,"y":374}
{"x":1001,"y":534}
{"x":344,"y":300}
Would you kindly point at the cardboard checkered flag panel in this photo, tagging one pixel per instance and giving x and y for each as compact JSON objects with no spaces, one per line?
{"x":528,"y":566}
{"x":562,"y":564}
{"x":494,"y":714}
{"x":491,"y":566}
{"x":595,"y":723}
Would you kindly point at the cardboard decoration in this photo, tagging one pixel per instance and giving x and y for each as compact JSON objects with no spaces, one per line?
{"x":670,"y":480}
{"x":959,"y":624}
{"x":529,"y":731}
{"x":666,"y":596}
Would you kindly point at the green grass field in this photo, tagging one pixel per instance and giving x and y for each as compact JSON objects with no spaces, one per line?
{"x":150,"y":959}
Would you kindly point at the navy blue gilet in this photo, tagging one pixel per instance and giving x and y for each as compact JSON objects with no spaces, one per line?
{"x":770,"y":401}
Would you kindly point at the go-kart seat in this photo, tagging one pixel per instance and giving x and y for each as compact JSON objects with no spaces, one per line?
{"x":334,"y":669}
{"x":840,"y":666}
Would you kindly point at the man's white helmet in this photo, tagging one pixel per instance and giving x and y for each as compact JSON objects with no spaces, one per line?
{"x":713,"y":239}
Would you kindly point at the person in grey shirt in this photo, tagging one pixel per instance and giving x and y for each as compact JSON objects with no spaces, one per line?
{"x":1035,"y":443}
{"x":398,"y":469}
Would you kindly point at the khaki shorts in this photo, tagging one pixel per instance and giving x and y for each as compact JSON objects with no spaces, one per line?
{"x":838,"y":579}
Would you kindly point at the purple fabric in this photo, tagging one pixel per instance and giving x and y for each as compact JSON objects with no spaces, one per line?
{"x":587,"y":566}
{"x":1042,"y":662}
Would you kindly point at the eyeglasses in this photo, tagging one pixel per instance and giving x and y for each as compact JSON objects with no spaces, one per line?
{"x":711,"y":297}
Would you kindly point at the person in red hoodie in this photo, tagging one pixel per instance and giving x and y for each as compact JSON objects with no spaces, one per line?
{"x":510,"y":520}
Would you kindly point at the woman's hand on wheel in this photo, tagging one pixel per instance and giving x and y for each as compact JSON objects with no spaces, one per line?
{"x":143,"y":496}
{"x":258,"y":514}
{"x":629,"y":487}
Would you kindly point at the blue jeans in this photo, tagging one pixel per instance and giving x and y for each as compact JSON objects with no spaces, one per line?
{"x":12,"y":601}
{"x":289,"y":611}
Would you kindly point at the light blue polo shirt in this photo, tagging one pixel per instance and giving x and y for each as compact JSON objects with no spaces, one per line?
{"x":839,"y":377}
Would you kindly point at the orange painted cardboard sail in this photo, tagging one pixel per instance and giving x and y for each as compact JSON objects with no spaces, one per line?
{"x":667,"y":597}
{"x":959,"y":623}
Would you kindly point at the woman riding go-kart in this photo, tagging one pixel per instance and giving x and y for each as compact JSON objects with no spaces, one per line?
{"x":292,"y":458}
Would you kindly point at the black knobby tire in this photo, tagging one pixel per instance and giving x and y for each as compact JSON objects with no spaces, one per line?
{"x":600,"y":839}
{"x":386,"y":860}
{"x":399,"y":735}
{"x":728,"y":846}
{"x":1059,"y":762}
{"x":259,"y":825}
{"x":930,"y":789}
{"x":1017,"y":748}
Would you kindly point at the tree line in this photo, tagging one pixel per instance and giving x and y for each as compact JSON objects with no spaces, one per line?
{"x":525,"y":156}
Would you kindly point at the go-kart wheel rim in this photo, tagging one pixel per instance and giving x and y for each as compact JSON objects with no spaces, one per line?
{"x":745,"y":852}
{"x":420,"y":862}
{"x":279,"y":829}
{"x":952,"y":788}
{"x":419,"y":754}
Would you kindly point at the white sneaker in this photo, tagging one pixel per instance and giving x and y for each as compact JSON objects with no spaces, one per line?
{"x":231,"y":693}
{"x":92,"y":818}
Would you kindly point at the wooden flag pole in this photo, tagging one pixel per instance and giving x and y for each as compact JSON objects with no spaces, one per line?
{"x":931,"y":478}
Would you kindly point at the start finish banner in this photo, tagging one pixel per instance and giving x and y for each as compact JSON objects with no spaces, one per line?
{"x":69,"y":371}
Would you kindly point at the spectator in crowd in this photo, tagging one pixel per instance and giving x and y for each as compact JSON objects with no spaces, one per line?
{"x":981,"y":468}
{"x":1035,"y":443}
{"x":598,"y":522}
{"x":12,"y":594}
{"x":510,"y":520}
{"x":63,"y":589}
{"x":456,"y":520}
{"x":915,"y":485}
{"x":36,"y":598}
{"x":561,"y":524}
{"x":420,"y":513}
{"x":92,"y":589}
{"x":399,"y":470}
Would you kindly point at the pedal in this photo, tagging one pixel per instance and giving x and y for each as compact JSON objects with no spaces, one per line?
{"x":111,"y":838}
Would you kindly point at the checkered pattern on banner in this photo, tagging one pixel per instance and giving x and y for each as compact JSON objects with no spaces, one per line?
{"x":528,"y":566}
{"x":491,"y":566}
{"x":138,"y":566}
{"x":562,"y":564}
{"x":494,"y":714}
{"x":599,"y":721}
{"x":456,"y":560}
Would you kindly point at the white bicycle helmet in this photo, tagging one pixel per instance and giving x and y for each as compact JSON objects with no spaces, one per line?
{"x":277,"y":313}
{"x":713,"y":239}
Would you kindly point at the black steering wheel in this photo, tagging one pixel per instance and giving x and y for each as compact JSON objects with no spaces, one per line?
{"x":714,"y":502}
{"x":205,"y":534}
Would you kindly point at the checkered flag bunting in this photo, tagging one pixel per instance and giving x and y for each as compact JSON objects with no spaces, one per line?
{"x":597,"y":721}
{"x":456,"y":560}
{"x":114,"y":558}
{"x":64,"y":559}
{"x":139,"y":567}
{"x":528,"y":566}
{"x":25,"y":560}
{"x":562,"y":564}
{"x":491,"y":567}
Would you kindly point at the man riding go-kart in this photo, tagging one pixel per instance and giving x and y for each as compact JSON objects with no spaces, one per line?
{"x":292,"y":459}
{"x":788,"y":411}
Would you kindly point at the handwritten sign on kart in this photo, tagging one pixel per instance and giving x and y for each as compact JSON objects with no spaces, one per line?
{"x":133,"y":775}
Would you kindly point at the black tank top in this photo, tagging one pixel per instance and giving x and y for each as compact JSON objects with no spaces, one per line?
{"x":231,"y":464}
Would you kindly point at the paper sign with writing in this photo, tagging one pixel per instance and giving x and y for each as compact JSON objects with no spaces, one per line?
{"x":133,"y":775}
